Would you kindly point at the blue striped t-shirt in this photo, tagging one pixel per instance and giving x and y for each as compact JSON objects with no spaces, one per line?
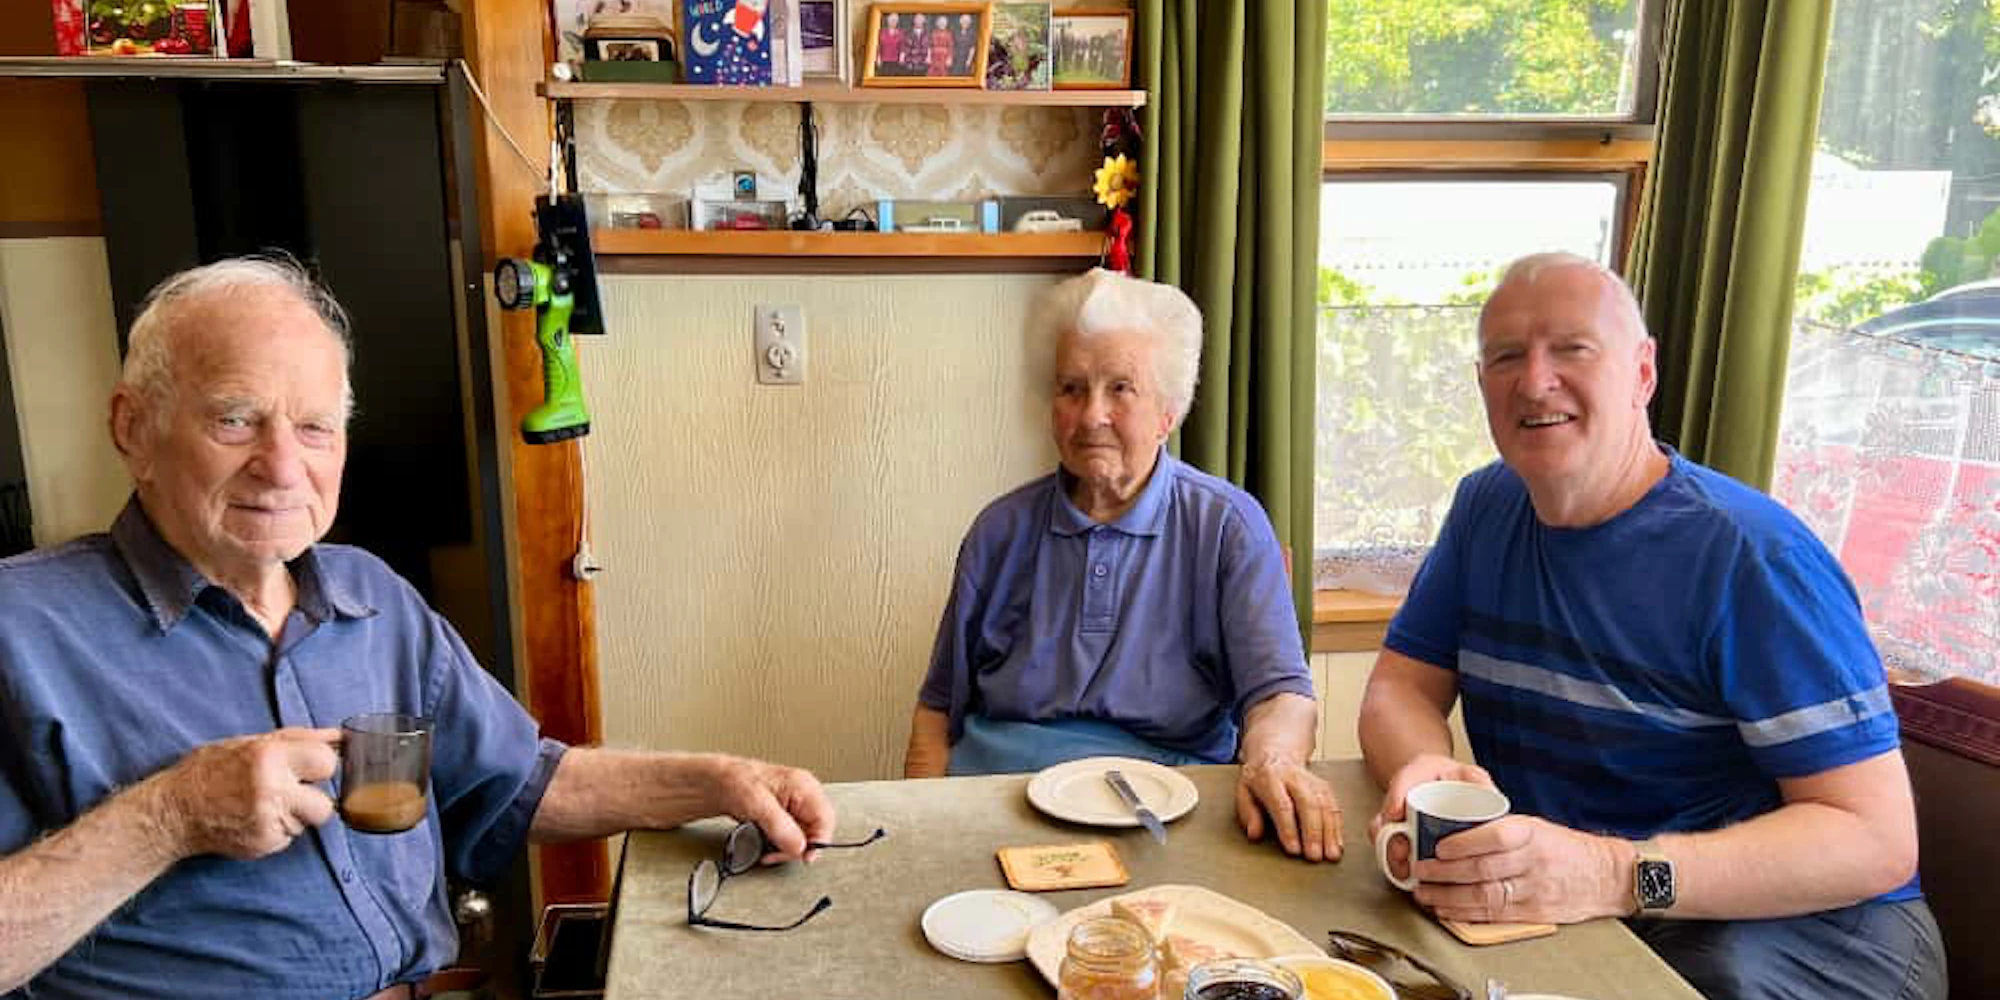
{"x":1655,"y":673}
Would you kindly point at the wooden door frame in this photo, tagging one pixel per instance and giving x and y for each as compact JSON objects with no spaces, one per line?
{"x":508,"y":48}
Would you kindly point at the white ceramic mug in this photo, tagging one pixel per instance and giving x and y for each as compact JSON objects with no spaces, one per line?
{"x":1433,"y":811}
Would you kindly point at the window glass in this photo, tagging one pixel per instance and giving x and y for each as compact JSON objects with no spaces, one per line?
{"x":1889,"y":446}
{"x":1478,"y":58}
{"x":1404,"y":265}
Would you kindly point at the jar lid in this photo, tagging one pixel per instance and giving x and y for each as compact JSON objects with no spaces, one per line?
{"x":985,"y":925}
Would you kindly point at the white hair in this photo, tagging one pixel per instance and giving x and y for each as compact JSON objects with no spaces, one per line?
{"x":1100,"y":302}
{"x":1529,"y":269}
{"x":148,"y":370}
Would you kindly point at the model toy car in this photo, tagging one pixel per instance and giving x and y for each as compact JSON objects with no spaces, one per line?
{"x":939,"y":224}
{"x":1046,"y":220}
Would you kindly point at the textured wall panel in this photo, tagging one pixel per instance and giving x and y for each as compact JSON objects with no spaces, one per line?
{"x":778,"y":555}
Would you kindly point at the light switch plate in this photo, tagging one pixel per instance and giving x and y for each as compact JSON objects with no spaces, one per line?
{"x":779,"y":333}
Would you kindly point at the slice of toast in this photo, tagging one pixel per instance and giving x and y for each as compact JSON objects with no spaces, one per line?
{"x":1155,"y":915}
{"x":1183,"y":952}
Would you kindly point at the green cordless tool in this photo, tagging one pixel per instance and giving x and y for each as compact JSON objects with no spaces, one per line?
{"x":560,"y":284}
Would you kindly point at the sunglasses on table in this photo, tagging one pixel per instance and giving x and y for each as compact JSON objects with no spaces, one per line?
{"x":745,"y":847}
{"x":1412,"y":977}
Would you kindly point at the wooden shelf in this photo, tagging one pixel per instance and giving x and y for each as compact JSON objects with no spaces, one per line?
{"x":836,"y":94}
{"x":786,"y":243}
{"x":188,"y":67}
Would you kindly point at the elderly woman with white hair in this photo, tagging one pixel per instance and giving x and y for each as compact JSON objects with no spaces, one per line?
{"x":1127,"y":604}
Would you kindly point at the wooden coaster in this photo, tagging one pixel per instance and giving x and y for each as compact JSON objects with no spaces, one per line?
{"x":1090,"y":865}
{"x":1485,"y":934}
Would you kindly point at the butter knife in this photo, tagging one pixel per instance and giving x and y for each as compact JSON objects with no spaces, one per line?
{"x":1146,"y":818}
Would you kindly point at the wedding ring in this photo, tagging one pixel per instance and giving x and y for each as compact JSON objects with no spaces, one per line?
{"x":1506,"y":893}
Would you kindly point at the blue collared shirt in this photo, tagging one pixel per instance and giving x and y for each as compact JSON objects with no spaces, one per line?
{"x":117,"y":657}
{"x":1170,"y":622}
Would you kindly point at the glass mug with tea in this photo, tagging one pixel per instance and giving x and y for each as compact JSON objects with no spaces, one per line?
{"x":1433,"y":811}
{"x":385,"y":771}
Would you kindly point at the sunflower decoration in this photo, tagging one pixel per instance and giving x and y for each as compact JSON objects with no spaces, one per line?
{"x":1117,"y":181}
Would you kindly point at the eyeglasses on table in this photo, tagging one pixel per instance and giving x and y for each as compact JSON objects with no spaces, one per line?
{"x":741,"y":852}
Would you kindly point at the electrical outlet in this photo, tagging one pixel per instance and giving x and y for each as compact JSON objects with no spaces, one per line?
{"x":779,"y":333}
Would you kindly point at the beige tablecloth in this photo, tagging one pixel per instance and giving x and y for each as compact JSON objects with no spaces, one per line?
{"x":942,"y":838}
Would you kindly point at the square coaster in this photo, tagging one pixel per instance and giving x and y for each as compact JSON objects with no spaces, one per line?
{"x":1090,"y":865}
{"x":1501,"y":933}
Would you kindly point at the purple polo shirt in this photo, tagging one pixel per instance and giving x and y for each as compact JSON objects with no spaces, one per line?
{"x":117,"y":657}
{"x":1170,"y":622}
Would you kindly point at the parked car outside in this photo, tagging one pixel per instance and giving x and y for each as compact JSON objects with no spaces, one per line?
{"x":1964,"y":318}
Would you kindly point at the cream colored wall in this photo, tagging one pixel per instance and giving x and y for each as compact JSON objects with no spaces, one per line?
{"x":777,"y":556}
{"x":1340,"y":678}
{"x":62,"y":351}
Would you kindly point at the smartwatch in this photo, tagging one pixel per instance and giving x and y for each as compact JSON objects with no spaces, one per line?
{"x":1653,"y":883}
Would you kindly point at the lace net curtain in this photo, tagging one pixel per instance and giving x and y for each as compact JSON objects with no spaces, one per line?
{"x":1891,"y":453}
{"x":1399,"y":422}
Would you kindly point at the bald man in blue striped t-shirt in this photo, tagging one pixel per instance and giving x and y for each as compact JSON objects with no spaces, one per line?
{"x":1666,"y":673}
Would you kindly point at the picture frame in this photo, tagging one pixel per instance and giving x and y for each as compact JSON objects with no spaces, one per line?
{"x":1017,"y":54}
{"x":824,"y":41}
{"x":625,"y":49}
{"x":954,"y":56}
{"x":1091,"y":49}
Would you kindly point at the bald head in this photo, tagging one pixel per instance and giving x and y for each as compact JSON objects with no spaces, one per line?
{"x":180,"y":304}
{"x":1531,"y":276}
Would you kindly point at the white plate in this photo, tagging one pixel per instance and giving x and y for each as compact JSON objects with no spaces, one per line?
{"x":1301,"y":963}
{"x":1204,"y":914}
{"x":1076,"y":791}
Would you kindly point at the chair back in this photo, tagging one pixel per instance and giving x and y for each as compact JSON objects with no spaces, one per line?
{"x":1951,"y":742}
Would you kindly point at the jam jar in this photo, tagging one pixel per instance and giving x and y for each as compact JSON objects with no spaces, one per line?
{"x":1243,"y":979}
{"x":1109,"y":958}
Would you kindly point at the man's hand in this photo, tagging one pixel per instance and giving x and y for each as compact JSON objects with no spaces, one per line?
{"x":1427,"y":767}
{"x":786,"y":803}
{"x":1300,"y":806}
{"x":1529,"y":869}
{"x":249,"y":796}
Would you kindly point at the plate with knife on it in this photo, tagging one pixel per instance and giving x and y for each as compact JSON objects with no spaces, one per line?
{"x":1081,"y":791}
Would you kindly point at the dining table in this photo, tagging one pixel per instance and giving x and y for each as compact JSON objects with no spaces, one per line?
{"x":941,"y":837}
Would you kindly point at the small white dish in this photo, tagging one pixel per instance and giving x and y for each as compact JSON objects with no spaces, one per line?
{"x":986,"y":925}
{"x":1076,"y":791}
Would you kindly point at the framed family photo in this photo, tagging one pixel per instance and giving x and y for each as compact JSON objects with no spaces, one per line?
{"x":626,"y":50}
{"x":926,"y":45}
{"x":1017,"y":57}
{"x":1092,"y":49}
{"x":823,"y":40}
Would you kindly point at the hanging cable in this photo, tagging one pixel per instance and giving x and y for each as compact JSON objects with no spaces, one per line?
{"x":808,"y":166}
{"x":471,"y":81}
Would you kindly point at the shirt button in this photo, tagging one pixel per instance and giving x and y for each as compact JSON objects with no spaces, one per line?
{"x":1099,"y":571}
{"x":347,"y":874}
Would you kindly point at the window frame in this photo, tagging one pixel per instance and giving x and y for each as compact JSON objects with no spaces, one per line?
{"x":1466,"y":148}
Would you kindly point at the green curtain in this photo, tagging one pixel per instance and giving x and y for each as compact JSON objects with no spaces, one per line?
{"x":1718,"y":244}
{"x":1228,"y":210}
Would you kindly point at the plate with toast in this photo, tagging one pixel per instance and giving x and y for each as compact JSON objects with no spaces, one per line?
{"x":1189,"y":925}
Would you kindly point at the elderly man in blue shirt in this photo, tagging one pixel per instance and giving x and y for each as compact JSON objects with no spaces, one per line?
{"x":168,"y":693}
{"x":1128,"y":604}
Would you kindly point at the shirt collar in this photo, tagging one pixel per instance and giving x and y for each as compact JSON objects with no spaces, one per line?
{"x":170,"y":584}
{"x":1147,"y":516}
